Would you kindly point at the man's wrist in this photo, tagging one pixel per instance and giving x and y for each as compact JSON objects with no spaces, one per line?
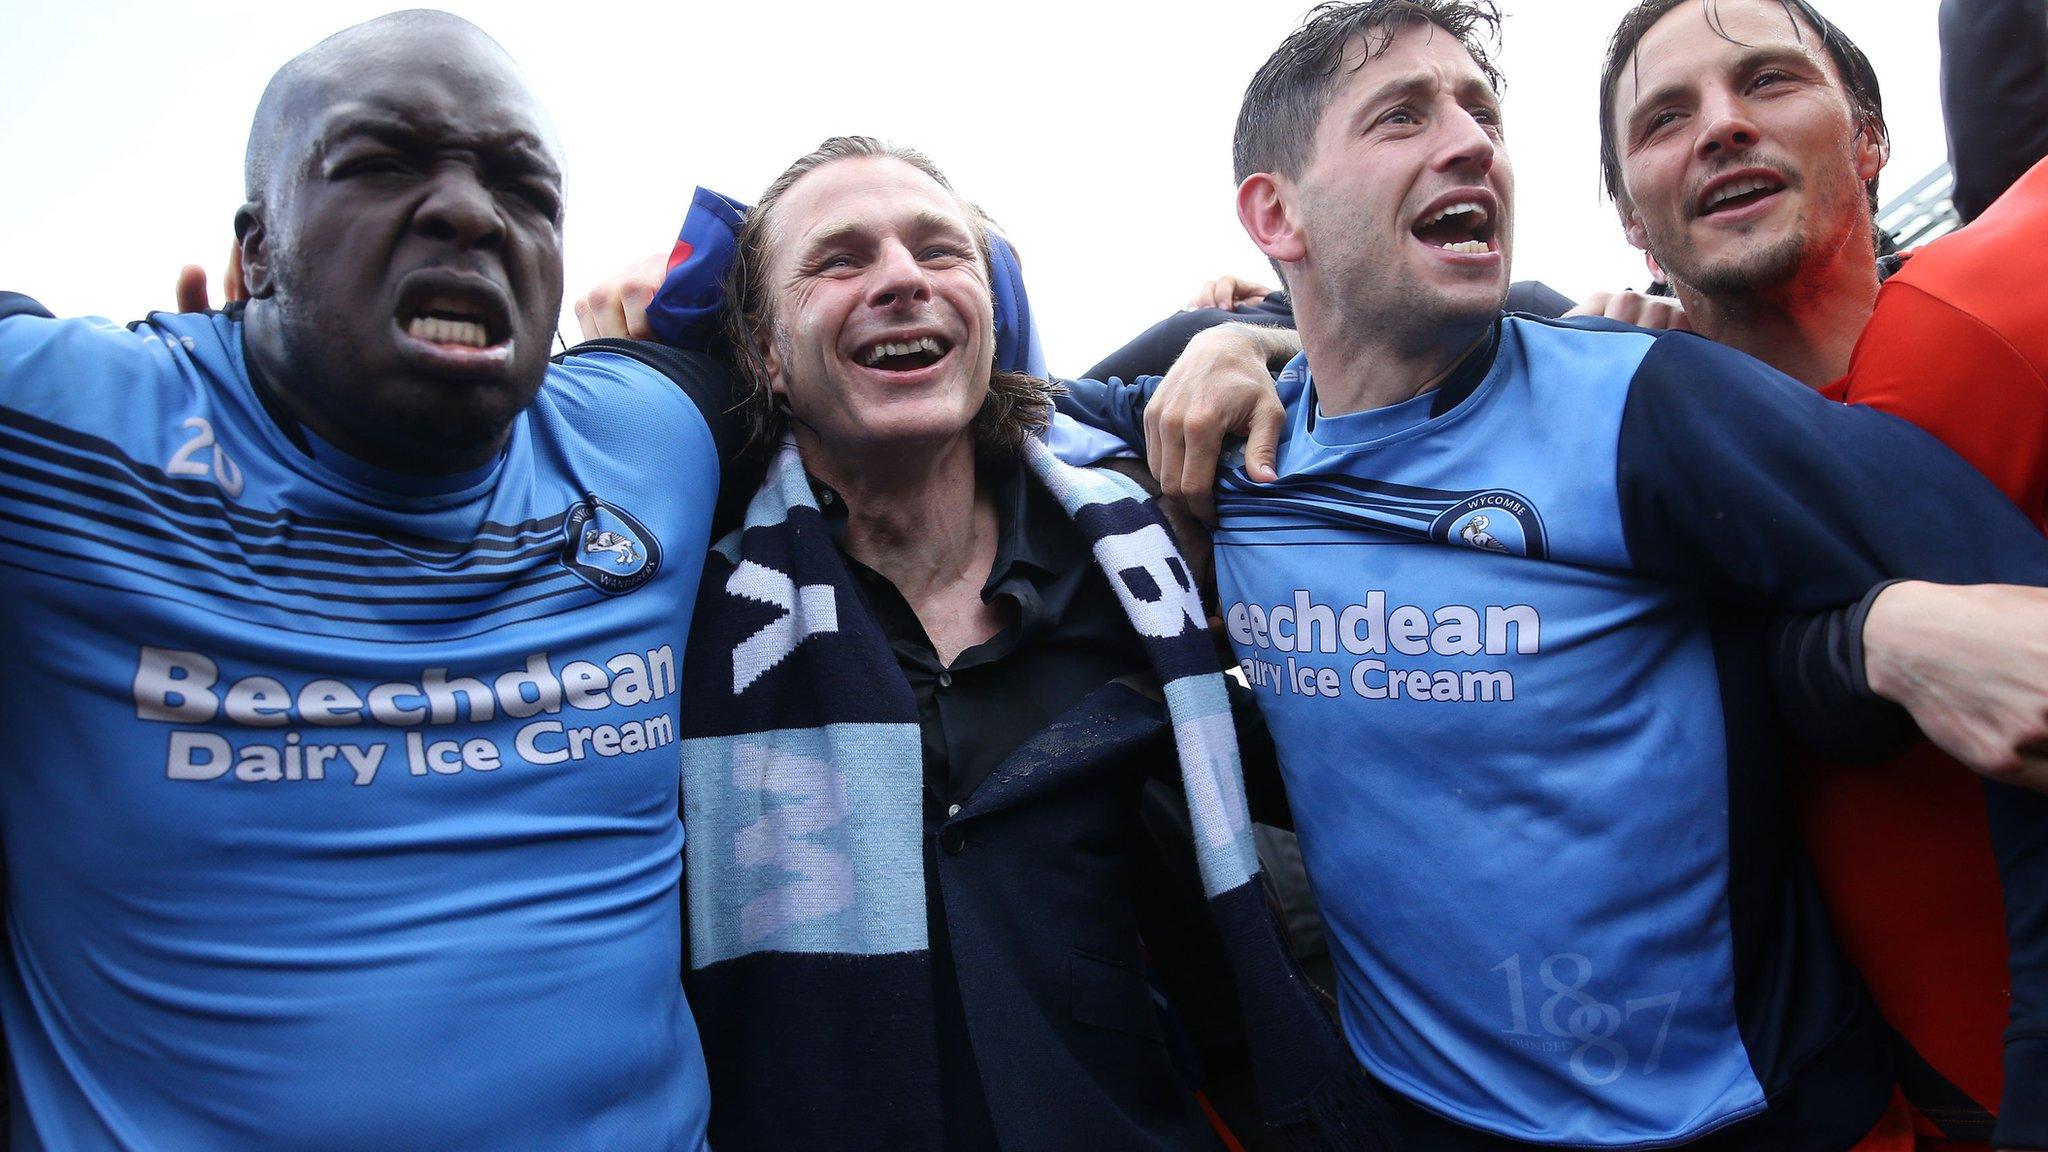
{"x":1878,"y":665}
{"x":1275,"y":345}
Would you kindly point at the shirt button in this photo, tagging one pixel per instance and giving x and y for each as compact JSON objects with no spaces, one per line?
{"x":945,"y":679}
{"x":952,"y":809}
{"x":953,"y":841}
{"x":825,"y":497}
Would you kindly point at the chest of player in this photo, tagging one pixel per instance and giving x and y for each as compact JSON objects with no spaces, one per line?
{"x":1473,"y":693}
{"x":1468,"y":569}
{"x":231,"y":630}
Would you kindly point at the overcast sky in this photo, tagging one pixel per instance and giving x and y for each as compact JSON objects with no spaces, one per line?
{"x":1098,"y":133}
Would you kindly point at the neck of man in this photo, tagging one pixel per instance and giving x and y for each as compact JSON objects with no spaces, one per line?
{"x":924,"y":521}
{"x":1365,"y":362}
{"x":1805,"y":326}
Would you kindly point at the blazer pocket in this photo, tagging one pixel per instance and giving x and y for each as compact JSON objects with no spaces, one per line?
{"x":1114,"y":995}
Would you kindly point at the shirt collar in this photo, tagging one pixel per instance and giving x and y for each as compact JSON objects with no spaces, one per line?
{"x":1039,"y":553}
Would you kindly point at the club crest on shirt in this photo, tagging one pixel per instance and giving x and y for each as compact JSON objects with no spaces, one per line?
{"x":604,"y":545}
{"x":1496,"y":520}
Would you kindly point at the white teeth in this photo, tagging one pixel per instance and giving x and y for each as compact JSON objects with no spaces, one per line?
{"x":1473,"y":246}
{"x":1740,"y":188}
{"x":439,"y":331}
{"x":921,"y":344}
{"x":1465,"y":206}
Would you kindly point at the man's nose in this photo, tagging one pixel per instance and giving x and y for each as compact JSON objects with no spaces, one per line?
{"x":1725,"y":124}
{"x":459,"y":209}
{"x":897,"y":278}
{"x":1467,"y":145}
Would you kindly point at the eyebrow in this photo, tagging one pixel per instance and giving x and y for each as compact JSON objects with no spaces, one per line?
{"x":1409,"y":86}
{"x":1416,"y":84}
{"x":926,"y":221}
{"x":1748,"y":62}
{"x":530,"y":149}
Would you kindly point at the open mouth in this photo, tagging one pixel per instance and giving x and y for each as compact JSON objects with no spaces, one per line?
{"x":448,"y":318}
{"x":1739,"y":193}
{"x":1462,"y":226}
{"x":905,"y":355}
{"x":454,"y":313}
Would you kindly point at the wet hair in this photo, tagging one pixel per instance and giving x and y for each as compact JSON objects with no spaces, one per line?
{"x":1016,"y":406}
{"x":1859,"y":79}
{"x":1276,"y":124}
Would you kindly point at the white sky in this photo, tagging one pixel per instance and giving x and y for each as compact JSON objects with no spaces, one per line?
{"x":1098,"y":132}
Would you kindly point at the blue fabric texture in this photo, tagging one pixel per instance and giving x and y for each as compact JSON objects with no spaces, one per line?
{"x":688,"y":311}
{"x":343,"y":813}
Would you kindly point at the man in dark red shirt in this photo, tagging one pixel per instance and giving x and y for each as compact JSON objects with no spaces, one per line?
{"x":1742,"y":140}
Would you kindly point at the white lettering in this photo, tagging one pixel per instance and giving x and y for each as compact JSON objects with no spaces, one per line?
{"x":172,"y":686}
{"x":259,"y":702}
{"x":363,"y":760}
{"x":629,"y":680}
{"x":330,"y":703}
{"x":183,"y":764}
{"x":547,"y":691}
{"x":583,"y":685}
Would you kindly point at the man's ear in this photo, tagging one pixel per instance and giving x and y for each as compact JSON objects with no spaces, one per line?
{"x":768,"y":357}
{"x":1263,"y":209}
{"x":1632,"y":224}
{"x":252,"y":237}
{"x":1871,"y":150}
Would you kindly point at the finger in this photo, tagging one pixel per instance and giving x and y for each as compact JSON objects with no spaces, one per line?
{"x":1198,"y":469}
{"x":1262,"y":446}
{"x":1594,"y":305}
{"x":633,"y":302}
{"x":1155,"y":439}
{"x":1250,"y":292}
{"x":607,"y":317}
{"x":611,"y":319}
{"x":584,"y":320}
{"x":191,"y":289}
{"x":1171,"y":448}
{"x":232,"y":288}
{"x":1171,"y":445}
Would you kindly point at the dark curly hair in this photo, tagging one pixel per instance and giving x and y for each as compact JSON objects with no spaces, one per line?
{"x":1276,"y":125}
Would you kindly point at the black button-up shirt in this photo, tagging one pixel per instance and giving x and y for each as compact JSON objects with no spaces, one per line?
{"x":1065,"y":635}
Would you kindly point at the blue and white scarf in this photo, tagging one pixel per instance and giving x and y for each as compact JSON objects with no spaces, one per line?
{"x":803,"y":783}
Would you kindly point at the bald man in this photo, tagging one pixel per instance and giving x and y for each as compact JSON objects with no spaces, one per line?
{"x":339,"y":798}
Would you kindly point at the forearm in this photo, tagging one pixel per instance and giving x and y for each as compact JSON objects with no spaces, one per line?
{"x":1276,"y":345}
{"x":1971,"y":664}
{"x":1226,"y":353}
